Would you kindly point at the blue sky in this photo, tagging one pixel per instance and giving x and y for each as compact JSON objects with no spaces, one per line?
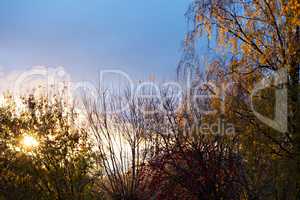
{"x":84,"y":36}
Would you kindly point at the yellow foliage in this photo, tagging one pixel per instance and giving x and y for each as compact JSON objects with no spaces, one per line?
{"x":292,"y":11}
{"x":234,"y":45}
{"x":245,"y":48}
{"x":221,"y":37}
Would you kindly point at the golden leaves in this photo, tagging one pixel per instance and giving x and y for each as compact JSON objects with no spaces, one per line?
{"x":234,"y":45}
{"x":292,"y":11}
{"x":199,"y":18}
{"x":245,"y":48}
{"x":221,"y":37}
{"x":208,"y":28}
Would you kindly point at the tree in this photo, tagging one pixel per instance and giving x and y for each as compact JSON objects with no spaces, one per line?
{"x":46,"y":154}
{"x":121,"y":146}
{"x":260,"y":37}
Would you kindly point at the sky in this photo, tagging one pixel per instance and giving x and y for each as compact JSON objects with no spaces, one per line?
{"x":142,"y":38}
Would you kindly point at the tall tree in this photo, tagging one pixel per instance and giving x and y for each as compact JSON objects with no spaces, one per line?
{"x":260,"y":37}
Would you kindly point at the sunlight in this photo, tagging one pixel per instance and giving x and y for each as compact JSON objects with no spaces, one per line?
{"x":29,"y":141}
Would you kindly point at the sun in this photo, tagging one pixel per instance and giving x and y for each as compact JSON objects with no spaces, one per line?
{"x":29,"y":141}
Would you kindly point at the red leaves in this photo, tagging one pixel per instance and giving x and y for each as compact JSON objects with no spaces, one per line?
{"x":191,"y":173}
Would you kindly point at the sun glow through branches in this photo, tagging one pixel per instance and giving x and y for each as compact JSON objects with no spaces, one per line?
{"x":29,"y":141}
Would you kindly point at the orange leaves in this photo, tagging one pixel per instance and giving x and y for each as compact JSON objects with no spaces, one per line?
{"x":292,"y":11}
{"x":199,"y":18}
{"x":221,"y":37}
{"x":245,"y":48}
{"x":208,"y":28}
{"x":234,"y":45}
